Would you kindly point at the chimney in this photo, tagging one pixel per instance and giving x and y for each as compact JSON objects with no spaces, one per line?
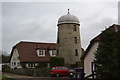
{"x":116,"y":28}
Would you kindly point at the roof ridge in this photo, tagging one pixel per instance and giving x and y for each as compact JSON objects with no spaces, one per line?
{"x":36,"y":42}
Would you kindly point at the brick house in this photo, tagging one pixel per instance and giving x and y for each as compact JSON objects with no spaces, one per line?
{"x":30,"y":54}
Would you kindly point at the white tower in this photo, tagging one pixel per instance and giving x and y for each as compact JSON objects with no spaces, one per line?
{"x":68,"y":38}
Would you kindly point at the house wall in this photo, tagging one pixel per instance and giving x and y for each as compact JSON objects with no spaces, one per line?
{"x":89,"y":58}
{"x":15,"y":60}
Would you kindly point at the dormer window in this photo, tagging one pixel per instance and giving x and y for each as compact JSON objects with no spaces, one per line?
{"x":52,"y":53}
{"x":41,"y":52}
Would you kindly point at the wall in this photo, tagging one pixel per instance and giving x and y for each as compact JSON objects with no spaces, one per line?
{"x":15,"y":59}
{"x":89,"y":58}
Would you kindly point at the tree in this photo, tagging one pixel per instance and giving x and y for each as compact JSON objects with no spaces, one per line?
{"x":107,"y":55}
{"x":5,"y":57}
{"x":56,"y":61}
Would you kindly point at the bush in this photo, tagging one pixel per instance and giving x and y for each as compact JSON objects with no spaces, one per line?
{"x":56,"y":61}
{"x":77,"y":64}
{"x":42,"y":65}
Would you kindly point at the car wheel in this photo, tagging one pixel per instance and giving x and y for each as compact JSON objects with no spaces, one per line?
{"x":57,"y":75}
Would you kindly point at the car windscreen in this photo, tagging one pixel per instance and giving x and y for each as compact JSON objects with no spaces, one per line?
{"x":53,"y":68}
{"x":64,"y":68}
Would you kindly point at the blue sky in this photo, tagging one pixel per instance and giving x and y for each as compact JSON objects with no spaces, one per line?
{"x":37,"y":21}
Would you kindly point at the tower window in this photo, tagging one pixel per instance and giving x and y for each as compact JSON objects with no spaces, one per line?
{"x":75,"y":28}
{"x":57,"y":52}
{"x":75,"y":39}
{"x":76,"y":52}
{"x":58,"y":41}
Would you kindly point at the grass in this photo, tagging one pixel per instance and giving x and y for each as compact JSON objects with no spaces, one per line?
{"x":6,"y":78}
{"x":0,"y":76}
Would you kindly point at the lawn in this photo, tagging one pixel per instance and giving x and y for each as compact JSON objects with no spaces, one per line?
{"x":0,"y":76}
{"x":5,"y":78}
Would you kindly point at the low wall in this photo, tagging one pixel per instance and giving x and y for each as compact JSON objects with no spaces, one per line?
{"x":41,"y":72}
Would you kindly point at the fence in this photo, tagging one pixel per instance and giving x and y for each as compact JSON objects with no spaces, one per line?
{"x":41,"y":72}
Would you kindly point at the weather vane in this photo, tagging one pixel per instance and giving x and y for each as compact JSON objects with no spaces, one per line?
{"x":68,"y":11}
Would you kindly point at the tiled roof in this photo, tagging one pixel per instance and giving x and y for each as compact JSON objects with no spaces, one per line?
{"x":114,"y":27}
{"x":27,"y":51}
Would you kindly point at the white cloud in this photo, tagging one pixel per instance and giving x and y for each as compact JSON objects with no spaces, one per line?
{"x":0,"y":26}
{"x":60,"y":0}
{"x":38,"y":21}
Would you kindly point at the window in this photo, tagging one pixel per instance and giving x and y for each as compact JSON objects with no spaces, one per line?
{"x":58,"y":41}
{"x":31,"y":65}
{"x":52,"y":52}
{"x":57,"y":52}
{"x":40,"y":52}
{"x":64,"y":68}
{"x":75,"y":39}
{"x":75,"y":28}
{"x":53,"y":68}
{"x":14,"y":63}
{"x":59,"y":68}
{"x":76,"y":52}
{"x":28,"y":64}
{"x":18,"y":64}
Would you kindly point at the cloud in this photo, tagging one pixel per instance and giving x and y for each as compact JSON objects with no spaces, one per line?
{"x":119,"y":13}
{"x":61,"y":0}
{"x":95,"y":29}
{"x":33,"y":21}
{"x":0,"y":26}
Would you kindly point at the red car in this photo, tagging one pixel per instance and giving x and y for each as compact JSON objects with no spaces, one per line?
{"x":59,"y":71}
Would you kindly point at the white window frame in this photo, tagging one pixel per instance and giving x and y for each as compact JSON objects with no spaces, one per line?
{"x":53,"y":52}
{"x":41,"y":53}
{"x":31,"y":65}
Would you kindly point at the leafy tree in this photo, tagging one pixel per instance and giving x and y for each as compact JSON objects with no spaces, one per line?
{"x":5,"y":57}
{"x":77,"y":64}
{"x":56,"y":61}
{"x":42,"y":65}
{"x":107,"y":55}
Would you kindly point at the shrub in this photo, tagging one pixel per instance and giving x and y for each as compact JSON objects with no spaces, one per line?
{"x":56,"y":61}
{"x":41,"y":65}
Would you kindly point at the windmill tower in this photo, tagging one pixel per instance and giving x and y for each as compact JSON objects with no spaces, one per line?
{"x":68,"y":38}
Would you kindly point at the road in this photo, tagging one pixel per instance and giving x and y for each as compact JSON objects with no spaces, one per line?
{"x":22,"y":77}
{"x":44,"y":78}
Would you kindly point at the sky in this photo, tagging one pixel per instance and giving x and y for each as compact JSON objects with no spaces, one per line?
{"x":119,"y":13}
{"x":37,"y":21}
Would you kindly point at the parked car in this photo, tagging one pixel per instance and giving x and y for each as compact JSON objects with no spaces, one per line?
{"x":59,"y":71}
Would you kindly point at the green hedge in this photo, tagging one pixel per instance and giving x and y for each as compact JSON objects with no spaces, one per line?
{"x":56,"y":61}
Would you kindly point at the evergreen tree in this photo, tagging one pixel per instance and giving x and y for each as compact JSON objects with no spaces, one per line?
{"x":107,"y":56}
